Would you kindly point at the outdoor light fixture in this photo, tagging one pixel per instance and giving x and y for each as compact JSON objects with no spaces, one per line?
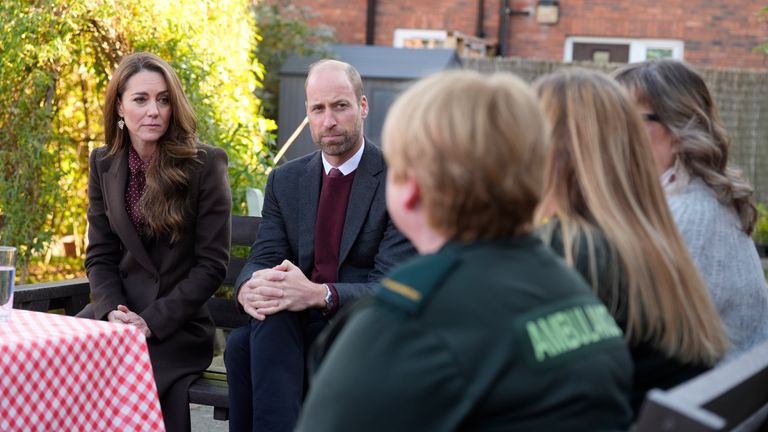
{"x":547,"y":11}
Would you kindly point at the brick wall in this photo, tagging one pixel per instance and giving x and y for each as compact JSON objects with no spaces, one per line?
{"x":346,"y":17}
{"x":716,"y":34}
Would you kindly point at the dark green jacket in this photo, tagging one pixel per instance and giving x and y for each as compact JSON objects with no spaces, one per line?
{"x":490,"y":336}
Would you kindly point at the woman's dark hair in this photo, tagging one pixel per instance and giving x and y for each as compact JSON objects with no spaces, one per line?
{"x":678,"y":95}
{"x":165,"y":197}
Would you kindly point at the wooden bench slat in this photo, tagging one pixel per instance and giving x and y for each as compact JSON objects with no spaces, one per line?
{"x":214,"y":375}
{"x":48,"y":290}
{"x":35,"y":305}
{"x":233,"y":270}
{"x":244,"y":230}
{"x":70,"y":295}
{"x":226,"y":314}
{"x":211,"y":392}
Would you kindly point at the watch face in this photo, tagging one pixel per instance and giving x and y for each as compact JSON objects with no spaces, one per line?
{"x":328,"y":296}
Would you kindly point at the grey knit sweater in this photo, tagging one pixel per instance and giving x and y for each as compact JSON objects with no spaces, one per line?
{"x":727,"y":260}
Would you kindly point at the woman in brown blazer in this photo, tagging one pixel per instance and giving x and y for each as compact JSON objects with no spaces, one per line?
{"x":159,"y":225}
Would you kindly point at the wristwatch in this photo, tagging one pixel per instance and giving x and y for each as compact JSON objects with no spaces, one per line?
{"x":328,"y":297}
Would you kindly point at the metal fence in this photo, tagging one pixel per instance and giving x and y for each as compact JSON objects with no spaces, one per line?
{"x":742,"y":98}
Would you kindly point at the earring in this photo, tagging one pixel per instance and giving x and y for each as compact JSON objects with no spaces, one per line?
{"x":120,"y":124}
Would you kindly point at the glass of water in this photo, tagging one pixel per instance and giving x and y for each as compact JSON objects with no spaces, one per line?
{"x":7,"y":275}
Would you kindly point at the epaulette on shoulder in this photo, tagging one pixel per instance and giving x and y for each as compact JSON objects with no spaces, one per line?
{"x":408,"y":288}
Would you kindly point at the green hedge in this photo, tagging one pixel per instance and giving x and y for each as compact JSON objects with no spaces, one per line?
{"x":56,"y":57}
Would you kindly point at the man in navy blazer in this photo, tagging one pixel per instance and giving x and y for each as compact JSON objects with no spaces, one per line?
{"x":325,"y":239}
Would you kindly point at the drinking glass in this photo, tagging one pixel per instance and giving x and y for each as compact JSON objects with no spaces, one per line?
{"x":7,"y":275}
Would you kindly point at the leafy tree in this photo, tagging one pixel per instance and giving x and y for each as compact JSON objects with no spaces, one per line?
{"x":57,"y":56}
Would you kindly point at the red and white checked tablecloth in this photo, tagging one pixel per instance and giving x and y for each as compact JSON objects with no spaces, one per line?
{"x":59,"y":373}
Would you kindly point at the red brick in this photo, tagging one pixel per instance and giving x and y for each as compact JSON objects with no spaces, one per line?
{"x":692,"y":21}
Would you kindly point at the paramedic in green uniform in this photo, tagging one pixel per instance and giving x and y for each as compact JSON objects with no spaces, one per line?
{"x":487,"y":329}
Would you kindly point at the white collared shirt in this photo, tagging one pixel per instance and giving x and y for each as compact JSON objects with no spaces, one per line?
{"x":348,"y":166}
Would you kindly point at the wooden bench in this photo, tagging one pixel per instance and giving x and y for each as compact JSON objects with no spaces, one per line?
{"x":730,"y":397}
{"x":211,"y":388}
{"x":69,"y":295}
{"x":72,"y":295}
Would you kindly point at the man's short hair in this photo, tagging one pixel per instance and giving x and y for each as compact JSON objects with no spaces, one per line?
{"x":475,"y":145}
{"x":352,"y":74}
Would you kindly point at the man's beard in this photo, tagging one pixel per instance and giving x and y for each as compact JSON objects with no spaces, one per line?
{"x":336,"y":148}
{"x":342,"y":146}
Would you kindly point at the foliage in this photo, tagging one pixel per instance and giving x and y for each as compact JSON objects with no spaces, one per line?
{"x":763,"y":13}
{"x":65,"y":267}
{"x":34,"y":60}
{"x":214,"y":60}
{"x":56,"y":57}
{"x":760,"y":234}
{"x":285,"y":30}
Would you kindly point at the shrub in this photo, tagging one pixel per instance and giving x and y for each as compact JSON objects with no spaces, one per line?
{"x":57,"y":56}
{"x":760,"y":234}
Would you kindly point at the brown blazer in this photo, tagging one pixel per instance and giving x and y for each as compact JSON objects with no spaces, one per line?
{"x":167,"y":284}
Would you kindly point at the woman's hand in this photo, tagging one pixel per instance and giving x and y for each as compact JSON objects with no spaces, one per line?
{"x":123,"y":315}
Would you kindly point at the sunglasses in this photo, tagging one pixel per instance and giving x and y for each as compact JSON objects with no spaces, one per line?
{"x":652,"y":117}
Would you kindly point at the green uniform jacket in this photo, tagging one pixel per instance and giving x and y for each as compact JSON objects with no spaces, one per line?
{"x":490,"y":336}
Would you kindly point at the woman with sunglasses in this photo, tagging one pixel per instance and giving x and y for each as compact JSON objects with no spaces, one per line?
{"x":711,"y":202}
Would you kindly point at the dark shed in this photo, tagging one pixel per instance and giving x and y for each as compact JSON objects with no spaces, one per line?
{"x":385,"y":72}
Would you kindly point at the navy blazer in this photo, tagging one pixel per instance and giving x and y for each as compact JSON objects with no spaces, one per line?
{"x":370,"y":242}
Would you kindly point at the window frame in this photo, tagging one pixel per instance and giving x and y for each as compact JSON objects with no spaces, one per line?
{"x":638,"y":47}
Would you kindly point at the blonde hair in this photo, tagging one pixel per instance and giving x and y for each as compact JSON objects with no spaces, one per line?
{"x":600,"y":175}
{"x":165,"y":198}
{"x":680,"y":97}
{"x":475,"y":145}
